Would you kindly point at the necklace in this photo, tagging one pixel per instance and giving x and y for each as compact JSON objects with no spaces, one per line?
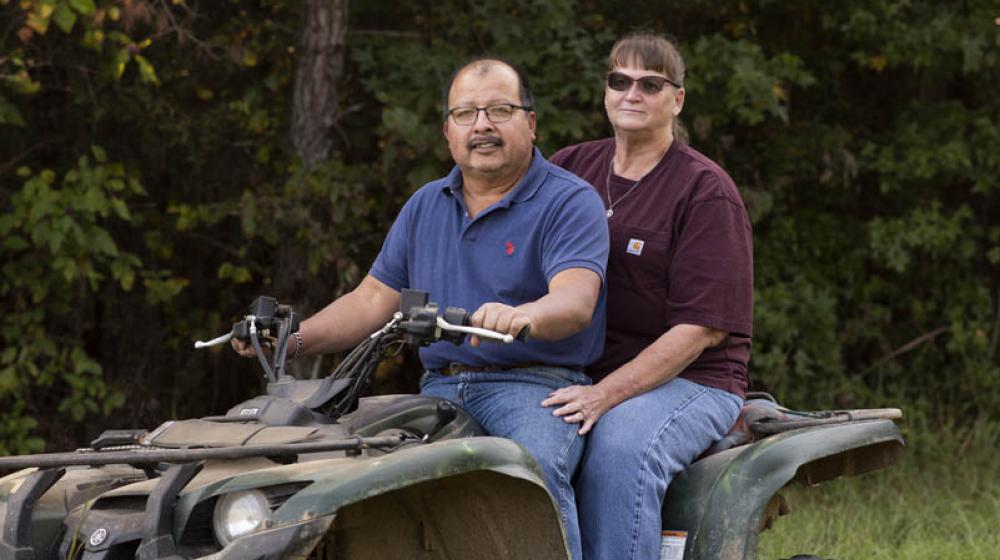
{"x":607,"y":183}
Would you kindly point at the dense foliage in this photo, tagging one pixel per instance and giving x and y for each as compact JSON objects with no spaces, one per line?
{"x":149,"y":187}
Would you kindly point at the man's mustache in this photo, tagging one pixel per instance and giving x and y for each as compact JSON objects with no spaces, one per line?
{"x":476,"y":141}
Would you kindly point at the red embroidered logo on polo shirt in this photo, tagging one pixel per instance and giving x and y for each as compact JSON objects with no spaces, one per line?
{"x":509,"y":248}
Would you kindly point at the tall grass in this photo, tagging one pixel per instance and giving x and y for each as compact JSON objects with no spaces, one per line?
{"x":942,"y":501}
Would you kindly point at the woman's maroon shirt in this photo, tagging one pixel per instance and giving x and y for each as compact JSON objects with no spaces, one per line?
{"x":681,"y":252}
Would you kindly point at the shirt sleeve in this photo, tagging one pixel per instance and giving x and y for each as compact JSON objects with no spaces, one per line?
{"x":711,"y":272}
{"x":391,"y":266}
{"x":559,"y":158}
{"x":577,"y":236}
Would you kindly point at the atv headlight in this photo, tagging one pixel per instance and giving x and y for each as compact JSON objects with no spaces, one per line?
{"x":239,"y":513}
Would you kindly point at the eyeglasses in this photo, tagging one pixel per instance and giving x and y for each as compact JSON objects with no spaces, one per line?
{"x":501,"y":112}
{"x":647,"y":84}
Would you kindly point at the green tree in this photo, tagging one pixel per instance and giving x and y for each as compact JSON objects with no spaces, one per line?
{"x":155,"y":176}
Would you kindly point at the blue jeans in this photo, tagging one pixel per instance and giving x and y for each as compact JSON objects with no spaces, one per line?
{"x":508,"y":404}
{"x":633,"y":452}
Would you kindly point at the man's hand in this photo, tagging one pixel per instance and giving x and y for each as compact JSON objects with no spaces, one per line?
{"x":499,"y":317}
{"x":245,"y":349}
{"x":581,"y":404}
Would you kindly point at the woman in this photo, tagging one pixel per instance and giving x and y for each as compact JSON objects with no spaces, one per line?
{"x":680,"y":286}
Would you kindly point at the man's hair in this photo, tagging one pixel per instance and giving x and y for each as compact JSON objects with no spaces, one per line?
{"x":484,"y":62}
{"x":649,"y":51}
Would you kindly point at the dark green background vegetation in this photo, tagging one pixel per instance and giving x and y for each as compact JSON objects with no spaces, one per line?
{"x":149,"y":187}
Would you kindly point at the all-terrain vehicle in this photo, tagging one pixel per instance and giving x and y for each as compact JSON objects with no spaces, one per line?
{"x":313,"y":470}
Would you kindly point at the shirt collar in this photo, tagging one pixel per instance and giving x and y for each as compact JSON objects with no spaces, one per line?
{"x":522,"y":191}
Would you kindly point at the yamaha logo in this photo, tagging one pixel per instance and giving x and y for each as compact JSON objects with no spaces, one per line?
{"x":98,"y":537}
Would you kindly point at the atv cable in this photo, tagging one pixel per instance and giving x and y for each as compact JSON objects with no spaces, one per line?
{"x":256,"y":346}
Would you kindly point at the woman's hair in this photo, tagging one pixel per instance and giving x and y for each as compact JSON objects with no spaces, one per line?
{"x":655,"y":52}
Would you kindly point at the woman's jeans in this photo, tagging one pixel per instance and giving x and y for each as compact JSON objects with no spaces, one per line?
{"x":633,"y":452}
{"x":508,"y":404}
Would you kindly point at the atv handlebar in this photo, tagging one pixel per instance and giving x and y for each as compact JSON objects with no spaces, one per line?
{"x":417,"y":321}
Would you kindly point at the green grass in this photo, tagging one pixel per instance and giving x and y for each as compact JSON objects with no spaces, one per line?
{"x":941,"y":501}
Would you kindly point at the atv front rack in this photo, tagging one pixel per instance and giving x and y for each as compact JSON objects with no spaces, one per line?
{"x":142,"y":456}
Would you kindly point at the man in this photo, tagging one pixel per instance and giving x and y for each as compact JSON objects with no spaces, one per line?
{"x":515,"y":238}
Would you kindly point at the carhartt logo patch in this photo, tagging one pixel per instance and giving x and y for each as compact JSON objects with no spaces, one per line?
{"x":635,"y":246}
{"x":509,"y":248}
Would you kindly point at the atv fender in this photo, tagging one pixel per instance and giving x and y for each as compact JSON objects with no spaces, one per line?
{"x":481,"y":497}
{"x":720,"y":501}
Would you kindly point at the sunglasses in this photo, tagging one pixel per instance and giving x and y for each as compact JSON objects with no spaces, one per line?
{"x":647,"y":84}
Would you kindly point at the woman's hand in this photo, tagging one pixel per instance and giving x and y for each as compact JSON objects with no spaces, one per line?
{"x":581,"y":404}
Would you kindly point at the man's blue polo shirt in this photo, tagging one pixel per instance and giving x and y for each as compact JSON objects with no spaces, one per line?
{"x":550,"y":221}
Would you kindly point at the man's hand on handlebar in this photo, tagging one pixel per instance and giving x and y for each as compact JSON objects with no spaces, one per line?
{"x":501,"y":318}
{"x":246,"y":350}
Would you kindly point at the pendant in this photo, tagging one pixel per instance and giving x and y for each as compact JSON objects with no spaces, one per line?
{"x":610,"y":212}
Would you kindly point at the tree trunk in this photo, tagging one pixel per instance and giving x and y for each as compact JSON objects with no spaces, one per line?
{"x":320,"y":66}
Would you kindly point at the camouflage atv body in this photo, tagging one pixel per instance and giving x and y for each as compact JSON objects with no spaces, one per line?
{"x":310,"y":471}
{"x":484,"y":494}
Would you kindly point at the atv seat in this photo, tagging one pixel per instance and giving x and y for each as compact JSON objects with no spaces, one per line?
{"x":755,"y":410}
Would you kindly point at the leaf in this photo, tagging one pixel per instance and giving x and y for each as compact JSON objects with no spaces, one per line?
{"x":37,"y":22}
{"x":83,"y":7}
{"x":878,"y":63}
{"x":122,"y":271}
{"x":8,"y":355}
{"x":238,"y":274}
{"x":64,"y":17}
{"x":249,"y":58}
{"x":22,"y":83}
{"x":103,"y":243}
{"x":119,"y":61}
{"x":162,"y":290}
{"x":99,"y":154}
{"x":82,"y":363}
{"x":146,"y":71}
{"x":248,"y":213}
{"x":94,"y":39}
{"x":9,"y":113}
{"x":8,"y":380}
{"x":15,"y":243}
{"x":121,"y":209}
{"x":114,"y":401}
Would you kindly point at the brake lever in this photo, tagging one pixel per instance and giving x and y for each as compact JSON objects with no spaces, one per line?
{"x":215,"y":341}
{"x":481,"y":333}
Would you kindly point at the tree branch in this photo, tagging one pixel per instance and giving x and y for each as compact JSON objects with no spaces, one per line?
{"x":911,"y":345}
{"x":12,"y":163}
